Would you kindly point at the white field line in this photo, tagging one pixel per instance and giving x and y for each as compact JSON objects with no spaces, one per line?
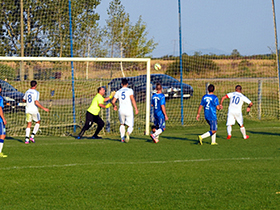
{"x":132,"y":163}
{"x":66,"y":143}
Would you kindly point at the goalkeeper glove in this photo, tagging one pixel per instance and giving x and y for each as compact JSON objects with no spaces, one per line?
{"x":112,"y":94}
{"x":108,"y":105}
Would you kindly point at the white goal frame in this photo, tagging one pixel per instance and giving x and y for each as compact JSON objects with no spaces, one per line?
{"x":76,"y":59}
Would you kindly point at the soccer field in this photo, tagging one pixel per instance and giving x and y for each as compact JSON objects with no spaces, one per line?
{"x":176,"y":173}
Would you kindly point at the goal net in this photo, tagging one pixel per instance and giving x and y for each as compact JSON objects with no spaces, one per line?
{"x":68,"y":99}
{"x":257,"y":76}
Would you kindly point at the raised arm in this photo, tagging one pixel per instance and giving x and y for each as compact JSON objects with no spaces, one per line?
{"x":249,"y":107}
{"x":222,"y":100}
{"x":110,"y":97}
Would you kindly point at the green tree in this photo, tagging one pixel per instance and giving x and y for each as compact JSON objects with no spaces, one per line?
{"x":89,"y":35}
{"x":135,"y":40}
{"x":92,"y":44}
{"x":46,"y":26}
{"x":123,"y":38}
{"x":114,"y":30}
{"x":235,"y":53}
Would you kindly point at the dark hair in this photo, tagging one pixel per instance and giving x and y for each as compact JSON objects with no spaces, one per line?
{"x":98,"y":89}
{"x":211,"y":88}
{"x":124,"y":81}
{"x":33,"y":83}
{"x":158,"y":86}
{"x":238,"y":87}
{"x":0,"y":86}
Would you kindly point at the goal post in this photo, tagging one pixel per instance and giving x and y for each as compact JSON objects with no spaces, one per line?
{"x":54,"y":76}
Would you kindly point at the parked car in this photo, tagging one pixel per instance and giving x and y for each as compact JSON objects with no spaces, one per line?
{"x":171,"y":86}
{"x":12,"y":98}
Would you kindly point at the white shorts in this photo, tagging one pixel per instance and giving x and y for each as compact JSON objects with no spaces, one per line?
{"x":35,"y":117}
{"x":127,"y":119}
{"x":232,"y":117}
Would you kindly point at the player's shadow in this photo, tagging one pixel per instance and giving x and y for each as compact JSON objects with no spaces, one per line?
{"x":111,"y":139}
{"x":193,"y":139}
{"x":149,"y":140}
{"x":105,"y":138}
{"x":263,"y":133}
{"x":14,"y":139}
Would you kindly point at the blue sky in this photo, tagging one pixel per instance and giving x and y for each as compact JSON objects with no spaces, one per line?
{"x":208,"y":26}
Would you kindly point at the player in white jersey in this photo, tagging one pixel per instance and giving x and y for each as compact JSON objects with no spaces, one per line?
{"x":31,"y":98}
{"x":235,"y":110}
{"x":126,"y":117}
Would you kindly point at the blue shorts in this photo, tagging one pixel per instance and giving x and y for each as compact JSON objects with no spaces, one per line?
{"x":213,"y":125}
{"x":2,"y":129}
{"x":160,"y":123}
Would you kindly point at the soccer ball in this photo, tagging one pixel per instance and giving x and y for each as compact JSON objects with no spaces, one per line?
{"x":157,"y":66}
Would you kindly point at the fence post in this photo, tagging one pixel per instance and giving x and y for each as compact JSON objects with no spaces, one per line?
{"x":260,"y":99}
{"x":206,"y":87}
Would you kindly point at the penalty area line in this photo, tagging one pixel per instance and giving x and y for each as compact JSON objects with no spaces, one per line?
{"x":66,"y":143}
{"x":132,"y":163}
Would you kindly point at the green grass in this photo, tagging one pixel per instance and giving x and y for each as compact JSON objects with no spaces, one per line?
{"x":176,"y":173}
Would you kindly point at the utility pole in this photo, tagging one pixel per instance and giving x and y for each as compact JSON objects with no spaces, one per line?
{"x":276,"y":46}
{"x":21,"y":73}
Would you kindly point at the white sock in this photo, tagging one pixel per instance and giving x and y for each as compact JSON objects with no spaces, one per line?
{"x":205,"y":135}
{"x":229,"y":129}
{"x":122,"y":131}
{"x":1,"y":147}
{"x":27,"y":132}
{"x":36,"y":128}
{"x":130,"y":129}
{"x":158,"y":132}
{"x":213,"y":138}
{"x":243,"y":131}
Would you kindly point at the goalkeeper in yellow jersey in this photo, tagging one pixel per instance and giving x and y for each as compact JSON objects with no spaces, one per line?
{"x":92,"y":114}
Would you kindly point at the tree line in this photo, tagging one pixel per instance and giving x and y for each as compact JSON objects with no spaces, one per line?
{"x":234,"y":55}
{"x":46,"y":30}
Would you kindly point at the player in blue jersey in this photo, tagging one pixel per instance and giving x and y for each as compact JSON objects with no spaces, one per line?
{"x":3,"y":122}
{"x":210,"y":102}
{"x":160,"y":116}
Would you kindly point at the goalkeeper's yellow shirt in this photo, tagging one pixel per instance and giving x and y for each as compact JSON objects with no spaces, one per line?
{"x":94,"y":108}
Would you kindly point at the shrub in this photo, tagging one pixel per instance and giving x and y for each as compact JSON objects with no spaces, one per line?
{"x":7,"y":72}
{"x":194,"y":64}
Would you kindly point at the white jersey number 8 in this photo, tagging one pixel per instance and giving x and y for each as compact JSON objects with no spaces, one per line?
{"x":29,"y":98}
